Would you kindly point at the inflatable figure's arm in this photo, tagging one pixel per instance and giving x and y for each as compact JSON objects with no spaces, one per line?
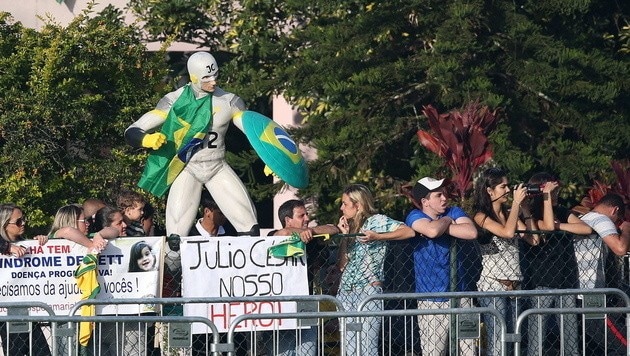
{"x":238,"y":106}
{"x":144,"y":132}
{"x":140,"y":134}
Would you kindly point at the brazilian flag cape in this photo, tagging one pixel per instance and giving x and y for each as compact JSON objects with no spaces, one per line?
{"x":185,"y":128}
{"x":291,"y":247}
{"x":294,"y":247}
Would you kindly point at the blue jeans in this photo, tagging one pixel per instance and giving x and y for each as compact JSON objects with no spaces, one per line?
{"x":306,"y":340}
{"x":368,"y":338}
{"x":538,"y":329}
{"x":506,"y":306}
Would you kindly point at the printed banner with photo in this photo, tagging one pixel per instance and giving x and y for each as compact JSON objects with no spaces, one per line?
{"x":239,"y":267}
{"x":128,"y":268}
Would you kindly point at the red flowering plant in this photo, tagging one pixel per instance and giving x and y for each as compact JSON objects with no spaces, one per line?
{"x":621,"y":186}
{"x":461,"y":139}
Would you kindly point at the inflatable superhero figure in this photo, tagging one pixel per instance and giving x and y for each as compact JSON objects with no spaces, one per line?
{"x":187,"y":131}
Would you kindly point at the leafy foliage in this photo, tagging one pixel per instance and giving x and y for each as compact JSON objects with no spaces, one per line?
{"x":68,"y":94}
{"x":359,"y":72}
{"x":619,"y":184}
{"x":198,"y":22}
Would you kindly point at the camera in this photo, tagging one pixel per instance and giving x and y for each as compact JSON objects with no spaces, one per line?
{"x":533,"y":188}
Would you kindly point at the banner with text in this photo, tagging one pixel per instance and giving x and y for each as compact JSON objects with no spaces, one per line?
{"x":239,"y":267}
{"x":127,"y":268}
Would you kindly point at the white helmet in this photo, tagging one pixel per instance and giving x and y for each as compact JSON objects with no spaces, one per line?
{"x":202,"y":67}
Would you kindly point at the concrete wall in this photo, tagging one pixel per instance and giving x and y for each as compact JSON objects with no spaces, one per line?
{"x":28,"y":11}
{"x":32,"y":13}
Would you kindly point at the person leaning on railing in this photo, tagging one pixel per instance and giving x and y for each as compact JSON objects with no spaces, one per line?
{"x":70,"y":223}
{"x":361,"y":261}
{"x":446,"y":234}
{"x":604,"y":219}
{"x":552,"y":264}
{"x":295,"y":220}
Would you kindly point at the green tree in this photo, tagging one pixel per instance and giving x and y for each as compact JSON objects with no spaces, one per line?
{"x":360,"y":71}
{"x":68,"y":95}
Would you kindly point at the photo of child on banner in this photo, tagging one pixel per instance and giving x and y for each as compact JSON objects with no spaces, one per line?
{"x":142,"y":258}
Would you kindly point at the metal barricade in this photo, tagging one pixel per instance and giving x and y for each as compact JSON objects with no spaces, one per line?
{"x":357,"y":314}
{"x":525,"y":295}
{"x":72,"y":320}
{"x":20,"y":336}
{"x":560,"y":311}
{"x":305,"y":316}
{"x":253,"y":337}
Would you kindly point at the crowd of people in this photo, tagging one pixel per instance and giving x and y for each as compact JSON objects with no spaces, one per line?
{"x":90,"y":224}
{"x":517,"y":237}
{"x":500,"y":246}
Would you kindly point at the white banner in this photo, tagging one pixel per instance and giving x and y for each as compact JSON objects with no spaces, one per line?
{"x":46,"y":274}
{"x":239,"y":267}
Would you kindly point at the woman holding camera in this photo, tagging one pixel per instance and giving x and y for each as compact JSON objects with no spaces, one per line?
{"x":498,"y":222}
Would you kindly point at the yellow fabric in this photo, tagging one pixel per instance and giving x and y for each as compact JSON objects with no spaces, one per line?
{"x":87,"y":282}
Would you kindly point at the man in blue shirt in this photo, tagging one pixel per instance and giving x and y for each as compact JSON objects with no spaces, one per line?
{"x":440,"y":227}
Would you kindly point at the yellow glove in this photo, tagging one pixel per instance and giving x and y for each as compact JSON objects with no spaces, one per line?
{"x":154,"y":140}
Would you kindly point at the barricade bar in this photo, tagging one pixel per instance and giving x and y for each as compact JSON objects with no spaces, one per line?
{"x":514,"y":293}
{"x":381,"y":313}
{"x":54,"y":320}
{"x":40,"y":305}
{"x":106,"y":318}
{"x":552,"y":311}
{"x":181,"y":301}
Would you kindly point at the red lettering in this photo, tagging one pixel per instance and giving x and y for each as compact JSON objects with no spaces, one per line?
{"x":220,"y":313}
{"x":266,"y":308}
{"x":223,"y":314}
{"x":65,"y":249}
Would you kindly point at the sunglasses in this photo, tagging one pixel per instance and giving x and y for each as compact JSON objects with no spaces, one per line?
{"x":19,"y":222}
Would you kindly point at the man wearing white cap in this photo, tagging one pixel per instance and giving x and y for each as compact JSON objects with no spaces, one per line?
{"x":439,"y":227}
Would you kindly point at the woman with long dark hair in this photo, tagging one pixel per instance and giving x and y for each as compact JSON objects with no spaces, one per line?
{"x":498,"y":221}
{"x":108,"y":216}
